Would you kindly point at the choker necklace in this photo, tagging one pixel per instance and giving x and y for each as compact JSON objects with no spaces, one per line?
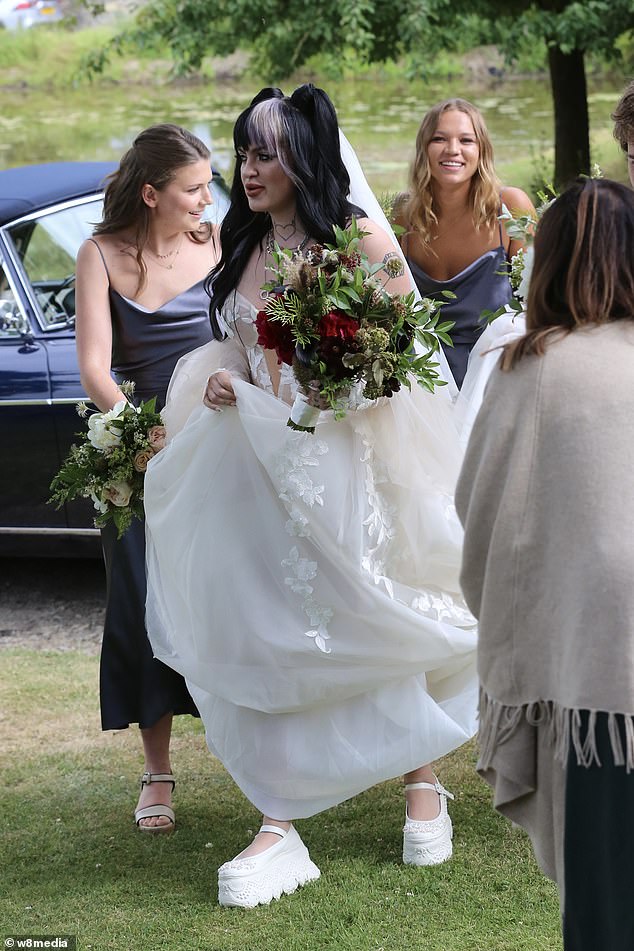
{"x":270,"y":244}
{"x":270,"y":247}
{"x":159,"y":258}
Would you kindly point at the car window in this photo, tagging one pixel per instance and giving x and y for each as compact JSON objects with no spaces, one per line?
{"x":47,"y":247}
{"x":13,"y":320}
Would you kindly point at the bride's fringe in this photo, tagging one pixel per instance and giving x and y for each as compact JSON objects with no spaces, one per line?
{"x":498,"y":722}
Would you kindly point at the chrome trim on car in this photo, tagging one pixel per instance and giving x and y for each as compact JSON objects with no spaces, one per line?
{"x":66,"y":401}
{"x":14,"y":287}
{"x":51,"y":209}
{"x":76,"y":532}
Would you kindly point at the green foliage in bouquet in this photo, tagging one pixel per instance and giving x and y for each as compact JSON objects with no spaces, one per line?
{"x":329,"y":315}
{"x":522,"y":228}
{"x":108,"y":464}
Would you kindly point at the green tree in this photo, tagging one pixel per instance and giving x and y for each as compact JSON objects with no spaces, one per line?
{"x":283,"y":34}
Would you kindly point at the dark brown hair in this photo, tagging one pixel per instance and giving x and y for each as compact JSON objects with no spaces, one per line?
{"x":153,"y":158}
{"x":583,"y":271}
{"x":623,"y":117}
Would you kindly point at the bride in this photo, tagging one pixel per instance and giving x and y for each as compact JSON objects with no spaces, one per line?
{"x":306,"y":586}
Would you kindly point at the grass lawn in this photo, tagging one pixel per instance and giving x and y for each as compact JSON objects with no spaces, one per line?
{"x":72,"y":862}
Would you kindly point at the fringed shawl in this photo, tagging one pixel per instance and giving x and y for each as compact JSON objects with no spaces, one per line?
{"x":546,"y":497}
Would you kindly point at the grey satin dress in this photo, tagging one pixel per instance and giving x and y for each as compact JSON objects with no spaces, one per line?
{"x":134,"y":687}
{"x":482,"y":285}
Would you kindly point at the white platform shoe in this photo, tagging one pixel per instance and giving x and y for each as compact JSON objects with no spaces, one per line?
{"x":258,"y":879}
{"x":428,"y":842}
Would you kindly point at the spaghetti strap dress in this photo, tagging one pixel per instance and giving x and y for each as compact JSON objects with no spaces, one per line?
{"x":146,"y":345}
{"x":482,"y":285}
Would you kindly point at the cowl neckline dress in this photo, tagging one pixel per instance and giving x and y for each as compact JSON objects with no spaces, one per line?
{"x":482,"y":285}
{"x":134,"y":687}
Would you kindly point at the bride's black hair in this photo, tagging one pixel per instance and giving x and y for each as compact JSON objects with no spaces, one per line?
{"x":302,"y":131}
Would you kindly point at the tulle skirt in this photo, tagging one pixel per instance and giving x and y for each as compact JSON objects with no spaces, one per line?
{"x":306,"y":586}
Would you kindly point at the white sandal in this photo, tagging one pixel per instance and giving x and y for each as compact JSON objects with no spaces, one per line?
{"x":160,"y":809}
{"x":258,"y":879}
{"x":428,"y":842}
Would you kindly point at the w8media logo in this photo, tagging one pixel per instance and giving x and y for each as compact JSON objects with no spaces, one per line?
{"x":67,"y":942}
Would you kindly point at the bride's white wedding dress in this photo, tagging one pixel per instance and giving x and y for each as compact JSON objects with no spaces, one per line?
{"x":306,"y":586}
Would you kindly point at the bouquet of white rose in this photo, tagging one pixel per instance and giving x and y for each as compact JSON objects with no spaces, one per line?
{"x":108,"y":465}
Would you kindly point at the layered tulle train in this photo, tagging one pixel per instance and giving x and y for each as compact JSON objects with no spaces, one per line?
{"x":307,"y":588}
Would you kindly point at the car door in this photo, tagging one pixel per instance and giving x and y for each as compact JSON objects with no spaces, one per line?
{"x":27,"y":429}
{"x":66,"y":391}
{"x":45,"y":246}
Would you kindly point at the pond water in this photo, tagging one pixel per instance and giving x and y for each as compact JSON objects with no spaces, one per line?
{"x":379,"y":115}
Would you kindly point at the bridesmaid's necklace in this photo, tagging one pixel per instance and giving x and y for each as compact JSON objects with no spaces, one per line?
{"x":160,"y":258}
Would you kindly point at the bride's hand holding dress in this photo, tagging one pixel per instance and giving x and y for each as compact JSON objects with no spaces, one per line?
{"x":219,"y":391}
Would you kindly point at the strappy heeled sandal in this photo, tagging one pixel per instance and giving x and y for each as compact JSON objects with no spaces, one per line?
{"x":160,"y":809}
{"x":428,"y":842}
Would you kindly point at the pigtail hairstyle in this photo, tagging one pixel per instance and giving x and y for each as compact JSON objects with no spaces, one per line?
{"x":333,"y":180}
{"x":241,"y":230}
{"x":303,"y":133}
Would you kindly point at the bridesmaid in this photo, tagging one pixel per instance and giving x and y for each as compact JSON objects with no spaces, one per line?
{"x":141,"y":305}
{"x":453,"y":240}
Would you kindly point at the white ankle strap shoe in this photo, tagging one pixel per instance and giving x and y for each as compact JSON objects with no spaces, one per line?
{"x":428,"y":842}
{"x":258,"y":879}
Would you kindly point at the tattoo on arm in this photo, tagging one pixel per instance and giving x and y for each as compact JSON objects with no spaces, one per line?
{"x":393,"y":264}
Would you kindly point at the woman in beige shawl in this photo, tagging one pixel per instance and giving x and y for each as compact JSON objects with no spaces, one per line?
{"x":546,"y":497}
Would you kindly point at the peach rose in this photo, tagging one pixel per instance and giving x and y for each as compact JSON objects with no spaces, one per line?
{"x":156,"y":437}
{"x":141,"y":459}
{"x":119,"y":493}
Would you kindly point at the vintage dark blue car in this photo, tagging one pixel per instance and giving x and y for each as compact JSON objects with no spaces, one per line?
{"x":46,"y":211}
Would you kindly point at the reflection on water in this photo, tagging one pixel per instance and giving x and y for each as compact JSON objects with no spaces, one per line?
{"x":379,"y":116}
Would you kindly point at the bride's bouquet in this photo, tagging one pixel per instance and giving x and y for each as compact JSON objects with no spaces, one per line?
{"x":108,"y":464}
{"x":329,"y":316}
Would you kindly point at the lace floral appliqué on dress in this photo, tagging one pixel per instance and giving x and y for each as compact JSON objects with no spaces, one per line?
{"x":297,"y":489}
{"x":307,"y":585}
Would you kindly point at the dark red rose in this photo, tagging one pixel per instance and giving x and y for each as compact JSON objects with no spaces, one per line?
{"x":337,"y":324}
{"x":314,"y":253}
{"x":274,"y":335}
{"x":267,"y":330}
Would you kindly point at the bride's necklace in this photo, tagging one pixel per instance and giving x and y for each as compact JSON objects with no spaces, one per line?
{"x":161,"y":258}
{"x":269,"y":247}
{"x":270,"y":244}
